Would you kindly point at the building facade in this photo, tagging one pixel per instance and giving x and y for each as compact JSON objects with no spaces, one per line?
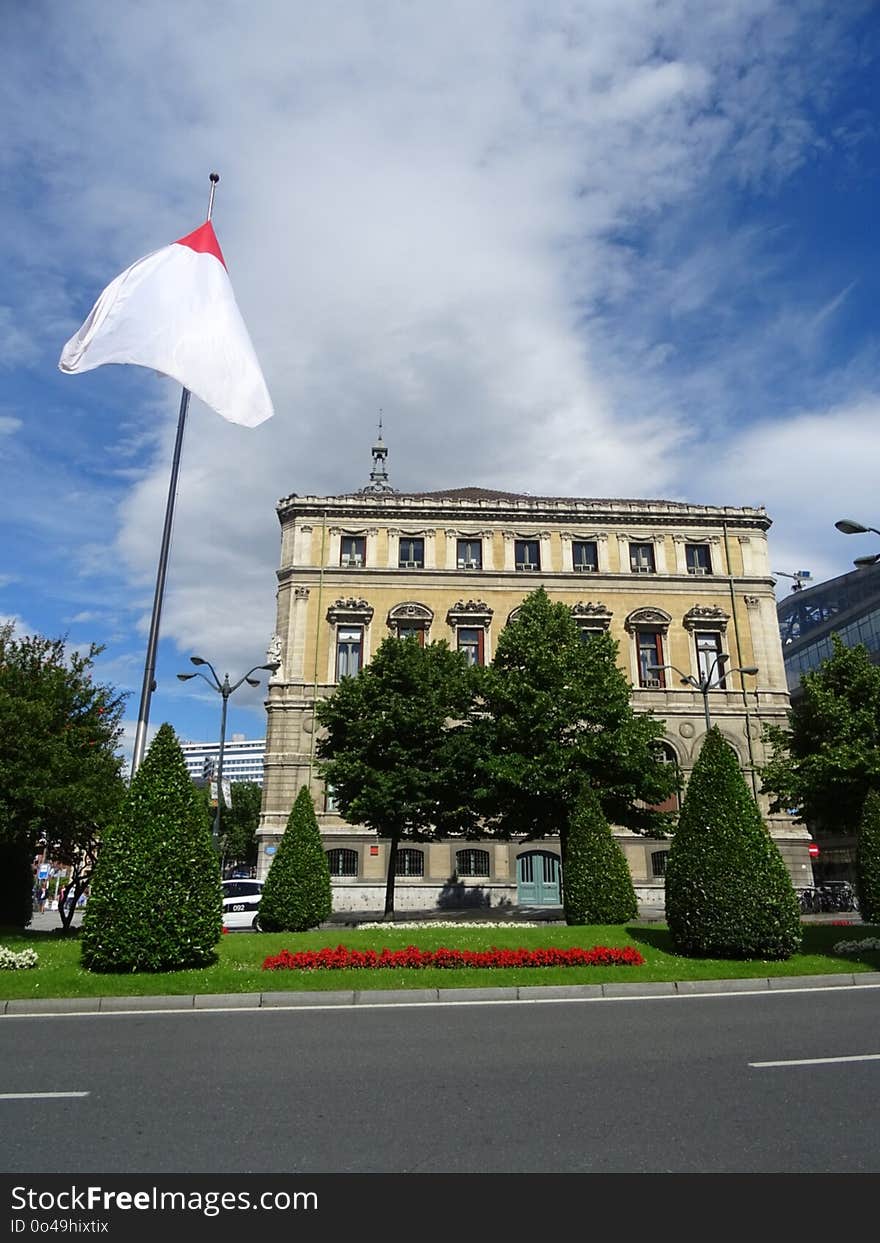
{"x":675,"y":584}
{"x":242,"y":758}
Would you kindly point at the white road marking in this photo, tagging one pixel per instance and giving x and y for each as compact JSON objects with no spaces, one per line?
{"x":821,"y":1061}
{"x":36,"y":1096}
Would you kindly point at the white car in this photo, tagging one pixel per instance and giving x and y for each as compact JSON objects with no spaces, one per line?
{"x":241,"y":903}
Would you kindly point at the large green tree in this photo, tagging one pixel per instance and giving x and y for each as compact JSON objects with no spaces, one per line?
{"x":393,"y":745}
{"x":824,"y":763}
{"x":155,"y":901}
{"x":60,"y":774}
{"x":239,"y":823}
{"x":728,"y":891}
{"x":555,"y":715}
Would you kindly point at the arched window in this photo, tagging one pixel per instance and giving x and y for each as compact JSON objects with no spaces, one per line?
{"x":665,"y":753}
{"x":410,"y":863}
{"x":472,"y":862}
{"x":342,"y":862}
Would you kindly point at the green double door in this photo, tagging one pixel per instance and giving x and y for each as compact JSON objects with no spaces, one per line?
{"x":537,"y":879}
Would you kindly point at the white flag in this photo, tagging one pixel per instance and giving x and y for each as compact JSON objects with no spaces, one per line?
{"x":174,"y":311}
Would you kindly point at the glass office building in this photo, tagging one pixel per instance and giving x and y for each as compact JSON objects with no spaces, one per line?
{"x":848,"y":606}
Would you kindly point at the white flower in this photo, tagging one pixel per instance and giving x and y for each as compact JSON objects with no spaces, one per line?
{"x":449,"y":923}
{"x":12,"y":961}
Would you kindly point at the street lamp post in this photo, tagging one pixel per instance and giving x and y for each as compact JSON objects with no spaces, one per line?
{"x":849,"y":526}
{"x":712,"y":680}
{"x":224,"y":689}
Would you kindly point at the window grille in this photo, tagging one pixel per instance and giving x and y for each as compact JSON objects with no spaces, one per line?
{"x":410,"y":863}
{"x":658,"y":863}
{"x":342,"y":862}
{"x":472,"y":862}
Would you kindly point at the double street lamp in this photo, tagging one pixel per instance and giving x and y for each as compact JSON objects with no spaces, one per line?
{"x":713,"y":679}
{"x":223,"y":689}
{"x":849,"y":527}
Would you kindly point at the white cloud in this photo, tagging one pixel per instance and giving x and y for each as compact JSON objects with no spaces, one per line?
{"x":507,"y":226}
{"x":810,"y":470}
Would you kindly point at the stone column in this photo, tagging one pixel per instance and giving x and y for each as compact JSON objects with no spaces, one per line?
{"x":294,"y":656}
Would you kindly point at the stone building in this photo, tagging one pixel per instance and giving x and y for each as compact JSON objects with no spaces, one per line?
{"x":684,"y":589}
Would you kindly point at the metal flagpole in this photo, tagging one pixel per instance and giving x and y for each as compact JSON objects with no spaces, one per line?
{"x":149,"y":683}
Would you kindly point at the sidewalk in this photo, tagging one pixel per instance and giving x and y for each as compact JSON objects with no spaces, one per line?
{"x":50,"y":921}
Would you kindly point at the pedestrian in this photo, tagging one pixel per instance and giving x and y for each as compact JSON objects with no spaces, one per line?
{"x":43,"y":898}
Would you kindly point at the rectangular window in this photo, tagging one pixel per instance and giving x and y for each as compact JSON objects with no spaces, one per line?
{"x":527,"y":554}
{"x":658,"y":863}
{"x":708,"y":650}
{"x":641,"y":558}
{"x":349,"y":651}
{"x":353,"y":550}
{"x":698,"y":558}
{"x":584,"y":557}
{"x":469,"y":554}
{"x":472,"y":862}
{"x":330,"y":799}
{"x":410,"y":630}
{"x":470,"y":641}
{"x":412,"y":553}
{"x":410,"y":862}
{"x":650,"y":645}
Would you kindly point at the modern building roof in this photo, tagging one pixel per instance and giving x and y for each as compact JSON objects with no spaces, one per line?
{"x":848,"y":605}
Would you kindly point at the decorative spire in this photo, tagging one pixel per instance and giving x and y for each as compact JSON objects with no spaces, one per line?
{"x":379,"y":474}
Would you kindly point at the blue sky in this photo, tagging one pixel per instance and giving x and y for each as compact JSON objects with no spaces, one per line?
{"x":596,"y":249}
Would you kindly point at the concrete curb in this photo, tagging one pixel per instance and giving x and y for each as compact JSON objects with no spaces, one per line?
{"x":430,"y":996}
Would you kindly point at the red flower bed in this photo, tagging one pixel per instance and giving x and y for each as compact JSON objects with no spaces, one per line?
{"x":341,"y":957}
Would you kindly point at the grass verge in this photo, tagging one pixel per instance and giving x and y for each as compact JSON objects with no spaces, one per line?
{"x":240,"y":956}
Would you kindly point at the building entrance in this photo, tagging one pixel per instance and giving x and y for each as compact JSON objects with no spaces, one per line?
{"x":537,"y":879}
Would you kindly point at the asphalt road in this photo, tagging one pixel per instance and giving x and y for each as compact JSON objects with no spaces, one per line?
{"x":652,"y":1085}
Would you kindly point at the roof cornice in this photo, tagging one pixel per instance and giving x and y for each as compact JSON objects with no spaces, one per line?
{"x":510,"y":507}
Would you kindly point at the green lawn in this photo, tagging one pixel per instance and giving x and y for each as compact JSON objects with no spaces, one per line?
{"x":240,"y":958}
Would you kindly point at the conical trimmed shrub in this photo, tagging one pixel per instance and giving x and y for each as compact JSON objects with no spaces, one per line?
{"x":728,"y":892}
{"x":868,"y":860}
{"x":155,"y":901}
{"x":597,"y":886}
{"x":296,"y":895}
